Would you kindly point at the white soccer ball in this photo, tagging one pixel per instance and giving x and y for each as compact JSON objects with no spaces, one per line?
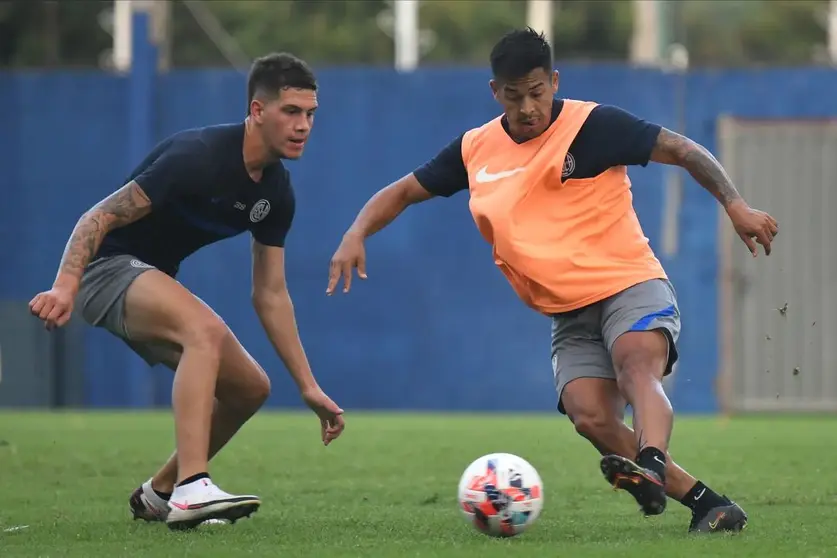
{"x":501,"y":494}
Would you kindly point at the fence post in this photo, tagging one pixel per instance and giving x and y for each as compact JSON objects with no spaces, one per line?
{"x":141,"y":131}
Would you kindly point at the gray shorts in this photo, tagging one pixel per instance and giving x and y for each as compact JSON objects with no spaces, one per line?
{"x":582,"y":339}
{"x":101,"y":299}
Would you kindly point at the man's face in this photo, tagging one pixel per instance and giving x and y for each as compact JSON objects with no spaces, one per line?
{"x":527,"y":102}
{"x":286,"y":121}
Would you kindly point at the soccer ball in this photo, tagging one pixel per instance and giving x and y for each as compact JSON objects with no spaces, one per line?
{"x":501,"y":494}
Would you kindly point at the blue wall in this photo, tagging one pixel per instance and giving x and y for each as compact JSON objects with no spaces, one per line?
{"x":435,"y":326}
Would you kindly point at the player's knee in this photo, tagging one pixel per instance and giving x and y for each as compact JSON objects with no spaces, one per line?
{"x":595,"y":424}
{"x":247,"y":393}
{"x":635,"y":372}
{"x":259,"y":391}
{"x":207,"y":336}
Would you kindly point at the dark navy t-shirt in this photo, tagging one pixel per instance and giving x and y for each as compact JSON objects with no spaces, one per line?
{"x":201,"y":193}
{"x":610,"y":137}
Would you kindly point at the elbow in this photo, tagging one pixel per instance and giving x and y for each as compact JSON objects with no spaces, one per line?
{"x":97,"y":220}
{"x":265,"y":301}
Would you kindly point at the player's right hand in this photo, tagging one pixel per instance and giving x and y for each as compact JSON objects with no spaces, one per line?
{"x":349,"y":255}
{"x":329,"y":413}
{"x":54,"y":307}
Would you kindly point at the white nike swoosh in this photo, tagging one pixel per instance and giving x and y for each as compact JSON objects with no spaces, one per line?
{"x":698,"y":497}
{"x":484,"y":176}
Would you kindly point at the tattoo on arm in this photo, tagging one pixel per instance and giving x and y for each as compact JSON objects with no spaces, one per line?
{"x":673,"y":149}
{"x":126,"y":205}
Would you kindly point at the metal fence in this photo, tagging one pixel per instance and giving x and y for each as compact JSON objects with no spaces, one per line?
{"x":779,"y":314}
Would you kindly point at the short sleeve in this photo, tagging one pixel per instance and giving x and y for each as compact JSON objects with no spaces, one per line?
{"x":445,"y":174}
{"x":621,"y":139}
{"x":179,"y":170}
{"x":274,"y":228}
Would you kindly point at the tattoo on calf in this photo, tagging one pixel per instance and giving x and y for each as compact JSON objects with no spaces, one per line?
{"x":642,"y":442}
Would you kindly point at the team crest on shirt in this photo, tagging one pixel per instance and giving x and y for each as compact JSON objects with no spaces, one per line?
{"x":140,"y":264}
{"x":569,"y":165}
{"x":259,"y":211}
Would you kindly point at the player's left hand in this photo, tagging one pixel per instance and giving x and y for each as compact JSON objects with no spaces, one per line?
{"x":330,"y":414}
{"x":752,"y":224}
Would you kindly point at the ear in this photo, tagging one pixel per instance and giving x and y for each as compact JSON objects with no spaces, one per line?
{"x":257,"y":110}
{"x":555,"y":81}
{"x":495,"y":88}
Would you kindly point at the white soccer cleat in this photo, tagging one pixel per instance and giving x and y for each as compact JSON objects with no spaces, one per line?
{"x":147,"y":505}
{"x":199,"y":501}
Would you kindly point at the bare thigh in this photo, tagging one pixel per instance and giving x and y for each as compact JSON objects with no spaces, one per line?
{"x":161,"y":315}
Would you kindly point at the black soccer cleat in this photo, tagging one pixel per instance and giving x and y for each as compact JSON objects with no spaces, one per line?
{"x":643,"y":484}
{"x":728,"y":518}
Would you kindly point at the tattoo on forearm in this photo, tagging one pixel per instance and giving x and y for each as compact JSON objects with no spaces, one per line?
{"x":674,"y":149}
{"x":124,"y":206}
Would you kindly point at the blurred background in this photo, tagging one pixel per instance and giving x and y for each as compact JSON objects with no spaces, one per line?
{"x":88,"y":87}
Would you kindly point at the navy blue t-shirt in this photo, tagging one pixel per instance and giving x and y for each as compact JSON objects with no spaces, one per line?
{"x":201,"y":193}
{"x":610,"y":137}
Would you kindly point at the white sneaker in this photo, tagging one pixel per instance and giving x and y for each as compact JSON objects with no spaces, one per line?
{"x":198,"y":501}
{"x":146,"y":504}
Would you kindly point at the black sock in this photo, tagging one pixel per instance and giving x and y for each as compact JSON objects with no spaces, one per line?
{"x":163,"y":495}
{"x":700,"y":499}
{"x":654,"y":459}
{"x":193,"y":478}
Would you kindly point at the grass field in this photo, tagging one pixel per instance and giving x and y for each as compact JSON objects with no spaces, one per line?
{"x":388,"y":487}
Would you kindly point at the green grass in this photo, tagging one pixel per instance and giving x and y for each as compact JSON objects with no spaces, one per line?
{"x":388,"y":488}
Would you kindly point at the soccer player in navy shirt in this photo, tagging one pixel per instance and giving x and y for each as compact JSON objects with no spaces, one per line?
{"x":119,"y":267}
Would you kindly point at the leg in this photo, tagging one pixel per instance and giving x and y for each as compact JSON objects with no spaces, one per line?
{"x":641,"y":326}
{"x":242,"y":388}
{"x":641,"y":359}
{"x":147,"y":309}
{"x":596,"y":409}
{"x":158,"y":310}
{"x":580,"y":359}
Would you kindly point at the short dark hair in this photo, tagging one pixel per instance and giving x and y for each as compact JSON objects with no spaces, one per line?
{"x":519,"y":52}
{"x":272,"y":73}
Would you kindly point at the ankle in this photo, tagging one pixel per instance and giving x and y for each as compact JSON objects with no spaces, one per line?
{"x":162,"y":487}
{"x":193,"y":478}
{"x":700,"y":499}
{"x":653,"y":459}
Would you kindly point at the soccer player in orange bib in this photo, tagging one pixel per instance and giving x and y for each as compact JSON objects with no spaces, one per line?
{"x":549,"y":191}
